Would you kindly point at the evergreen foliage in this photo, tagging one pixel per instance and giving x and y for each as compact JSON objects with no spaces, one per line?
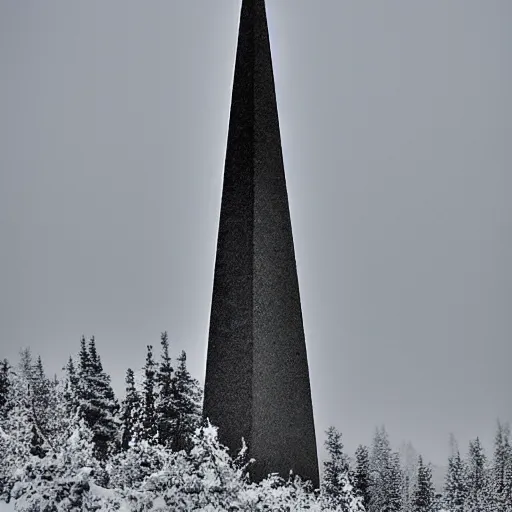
{"x":60,"y":440}
{"x":424,"y":494}
{"x":337,"y":486}
{"x":187,"y":405}
{"x":97,"y":404}
{"x":149,"y":430}
{"x":394,"y":478}
{"x":131,"y":411}
{"x":478,"y":495}
{"x":500,"y":481}
{"x":362,"y":474}
{"x":455,"y":488}
{"x":165,"y":402}
{"x":380,"y":462}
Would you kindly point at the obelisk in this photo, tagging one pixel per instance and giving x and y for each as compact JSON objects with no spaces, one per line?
{"x":257,"y":378}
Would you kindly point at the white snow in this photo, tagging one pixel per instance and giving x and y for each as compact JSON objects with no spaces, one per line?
{"x":6,"y":507}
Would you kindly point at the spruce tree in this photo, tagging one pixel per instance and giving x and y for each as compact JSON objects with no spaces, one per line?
{"x":500,"y":490}
{"x":187,"y":404}
{"x":70,"y":388}
{"x":131,"y":410}
{"x":409,"y":458}
{"x":165,"y":407}
{"x":337,"y":487}
{"x":106,"y":426}
{"x":394,"y":476}
{"x":455,"y":488}
{"x":362,"y":474}
{"x":5,"y":368}
{"x":96,"y":401}
{"x":40,"y":401}
{"x":478,"y":497}
{"x":380,"y":462}
{"x":507,"y":479}
{"x":149,"y":430}
{"x":424,"y":494}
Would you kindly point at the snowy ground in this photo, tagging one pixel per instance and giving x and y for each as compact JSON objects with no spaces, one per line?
{"x":6,"y":507}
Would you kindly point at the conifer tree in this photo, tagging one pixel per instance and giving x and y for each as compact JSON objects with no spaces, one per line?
{"x":71,"y":388}
{"x":4,"y":385}
{"x":394,"y":484}
{"x":40,"y":401}
{"x":500,"y":490}
{"x":409,"y":458}
{"x":507,"y":479}
{"x":478,"y":496}
{"x":97,"y":403}
{"x":424,"y":494}
{"x":337,"y":487}
{"x":380,"y":462}
{"x":165,"y":407}
{"x":132,"y":410}
{"x":455,"y":487}
{"x":149,"y":430}
{"x":362,"y":474}
{"x":187,"y":404}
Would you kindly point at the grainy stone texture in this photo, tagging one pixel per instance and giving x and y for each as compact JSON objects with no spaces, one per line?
{"x":257,"y":378}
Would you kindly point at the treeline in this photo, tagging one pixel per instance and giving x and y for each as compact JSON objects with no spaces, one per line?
{"x":391,"y":481}
{"x":69,"y":444}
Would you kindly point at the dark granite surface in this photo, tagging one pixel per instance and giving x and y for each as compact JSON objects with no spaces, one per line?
{"x":257,"y":379}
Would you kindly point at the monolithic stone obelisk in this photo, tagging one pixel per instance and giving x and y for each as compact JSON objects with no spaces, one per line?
{"x":257,"y":379}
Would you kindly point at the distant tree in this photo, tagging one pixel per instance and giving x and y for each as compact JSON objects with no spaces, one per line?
{"x":478,"y":497}
{"x":455,"y":488}
{"x":362,"y":474}
{"x":337,"y":488}
{"x":131,"y":410}
{"x":380,"y":462}
{"x":501,"y":497}
{"x":149,"y":430}
{"x":187,"y":404}
{"x":393,"y":480}
{"x":16,"y":427}
{"x":409,"y":458}
{"x":165,"y":406}
{"x":40,"y":396}
{"x":424,"y":493}
{"x":70,"y":388}
{"x":96,"y":400}
{"x":5,"y":368}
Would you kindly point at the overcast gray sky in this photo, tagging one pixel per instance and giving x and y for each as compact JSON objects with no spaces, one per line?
{"x":396,"y":123}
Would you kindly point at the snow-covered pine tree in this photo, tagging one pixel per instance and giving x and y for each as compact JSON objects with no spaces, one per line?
{"x":71,"y":387}
{"x":478,"y":497}
{"x":394,"y":478}
{"x":97,"y":403}
{"x":424,"y":494}
{"x":5,"y":368}
{"x":337,"y":489}
{"x":455,"y":487}
{"x":148,"y":430}
{"x":16,"y":427}
{"x":187,"y":403}
{"x":500,"y":497}
{"x":131,"y":410}
{"x":107,"y":428}
{"x":165,"y":407}
{"x":507,"y":479}
{"x":380,"y":461}
{"x":409,"y":463}
{"x":362,"y":474}
{"x":40,"y":395}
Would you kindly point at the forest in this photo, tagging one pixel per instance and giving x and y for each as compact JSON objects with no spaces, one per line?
{"x":69,"y":444}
